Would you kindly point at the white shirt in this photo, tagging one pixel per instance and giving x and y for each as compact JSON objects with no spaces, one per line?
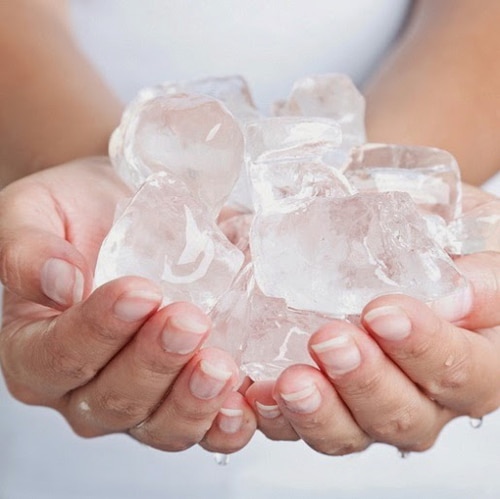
{"x":271,"y":43}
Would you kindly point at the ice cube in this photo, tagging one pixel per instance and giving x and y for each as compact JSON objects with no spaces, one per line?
{"x":191,"y":136}
{"x":329,"y":96}
{"x":334,"y":255}
{"x":165,"y":235}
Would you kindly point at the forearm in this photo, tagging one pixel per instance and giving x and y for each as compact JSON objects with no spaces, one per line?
{"x":441,"y":85}
{"x":53,"y":105}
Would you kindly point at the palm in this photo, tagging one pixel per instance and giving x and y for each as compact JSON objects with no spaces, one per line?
{"x":76,"y":202}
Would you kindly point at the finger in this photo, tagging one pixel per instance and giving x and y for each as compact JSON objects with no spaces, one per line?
{"x":316,"y":412}
{"x":36,"y":261}
{"x":44,"y":360}
{"x":483,"y":272}
{"x":271,"y":421}
{"x":385,"y":403}
{"x":43,"y":233}
{"x":233,"y":428}
{"x":136,"y":380}
{"x":457,"y":368}
{"x":190,"y":409}
{"x":42,"y":267}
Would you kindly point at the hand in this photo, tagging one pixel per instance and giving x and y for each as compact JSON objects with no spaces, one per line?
{"x":108,"y":360}
{"x":418,"y":367}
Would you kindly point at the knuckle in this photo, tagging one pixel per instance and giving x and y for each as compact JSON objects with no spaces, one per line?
{"x":399,"y":424}
{"x":343,"y":448}
{"x":81,"y":420}
{"x":454,"y":377}
{"x":417,"y":350}
{"x":171,"y":442}
{"x":423,"y":445}
{"x":198,"y":415}
{"x":23,"y":393}
{"x":99,"y":330}
{"x":117,"y":409}
{"x":365,"y":386}
{"x":67,"y":365}
{"x":85,"y":430}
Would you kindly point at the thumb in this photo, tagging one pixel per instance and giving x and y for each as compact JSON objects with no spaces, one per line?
{"x":36,"y":261}
{"x":483,"y":272}
{"x":42,"y":267}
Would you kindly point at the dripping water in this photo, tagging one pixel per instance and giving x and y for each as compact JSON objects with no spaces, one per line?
{"x":476,"y":422}
{"x":221,"y":459}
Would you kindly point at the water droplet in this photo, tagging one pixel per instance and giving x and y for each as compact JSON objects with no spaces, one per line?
{"x":221,"y":459}
{"x":476,"y":422}
{"x":403,"y":454}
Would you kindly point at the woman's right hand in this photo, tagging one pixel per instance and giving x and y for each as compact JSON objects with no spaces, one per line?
{"x":109,"y":360}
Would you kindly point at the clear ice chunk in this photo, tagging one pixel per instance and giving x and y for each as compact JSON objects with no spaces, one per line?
{"x":233,"y":91}
{"x":166,"y":236}
{"x":262,"y":333}
{"x":476,"y":230}
{"x":334,"y":255}
{"x":328,"y":96}
{"x":290,"y":138}
{"x":237,"y":230}
{"x":194,"y":137}
{"x":291,"y":180}
{"x":284,"y":154}
{"x":316,"y":249}
{"x":429,"y":175}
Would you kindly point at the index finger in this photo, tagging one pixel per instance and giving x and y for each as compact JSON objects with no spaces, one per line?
{"x":483,"y":272}
{"x":45,"y":359}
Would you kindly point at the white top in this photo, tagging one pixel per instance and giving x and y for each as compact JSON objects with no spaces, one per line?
{"x":271,"y":43}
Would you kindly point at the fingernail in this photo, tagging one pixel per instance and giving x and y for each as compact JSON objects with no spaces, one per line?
{"x":230,"y":420}
{"x":208,"y":380}
{"x":339,"y":355}
{"x":390,"y":322}
{"x":455,"y":306}
{"x":304,"y":401}
{"x":268,"y":411}
{"x":183,"y":333}
{"x":62,"y":282}
{"x":137,"y":304}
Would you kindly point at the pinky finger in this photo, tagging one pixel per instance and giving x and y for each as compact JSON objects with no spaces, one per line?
{"x":233,"y":427}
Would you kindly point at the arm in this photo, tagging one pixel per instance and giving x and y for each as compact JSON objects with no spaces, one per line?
{"x":439,"y":86}
{"x":110,"y":360}
{"x":41,"y":121}
{"x":412,"y":368}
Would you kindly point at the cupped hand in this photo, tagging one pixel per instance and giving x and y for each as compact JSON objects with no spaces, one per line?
{"x":397,"y":378}
{"x":110,"y":360}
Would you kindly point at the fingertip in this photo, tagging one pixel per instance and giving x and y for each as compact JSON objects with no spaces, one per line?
{"x":62,"y":282}
{"x":43,"y":267}
{"x":235,"y":415}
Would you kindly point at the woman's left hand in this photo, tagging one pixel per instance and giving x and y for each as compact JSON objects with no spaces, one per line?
{"x":400,"y":378}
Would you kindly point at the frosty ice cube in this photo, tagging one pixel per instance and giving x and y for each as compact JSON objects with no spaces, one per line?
{"x":290,"y":137}
{"x":233,"y":91}
{"x":166,"y":236}
{"x":334,"y":255}
{"x":261,"y":332}
{"x":194,"y":137}
{"x":429,"y":175}
{"x":329,"y":96}
{"x":291,"y":180}
{"x":476,"y":230}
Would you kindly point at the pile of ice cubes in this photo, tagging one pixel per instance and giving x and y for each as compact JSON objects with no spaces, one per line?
{"x":319,"y":222}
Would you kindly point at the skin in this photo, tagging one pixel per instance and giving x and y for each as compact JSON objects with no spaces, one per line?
{"x":439,"y":85}
{"x":65,"y":346}
{"x":404,"y":390}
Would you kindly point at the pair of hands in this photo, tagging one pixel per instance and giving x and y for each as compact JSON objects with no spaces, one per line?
{"x":113,"y":361}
